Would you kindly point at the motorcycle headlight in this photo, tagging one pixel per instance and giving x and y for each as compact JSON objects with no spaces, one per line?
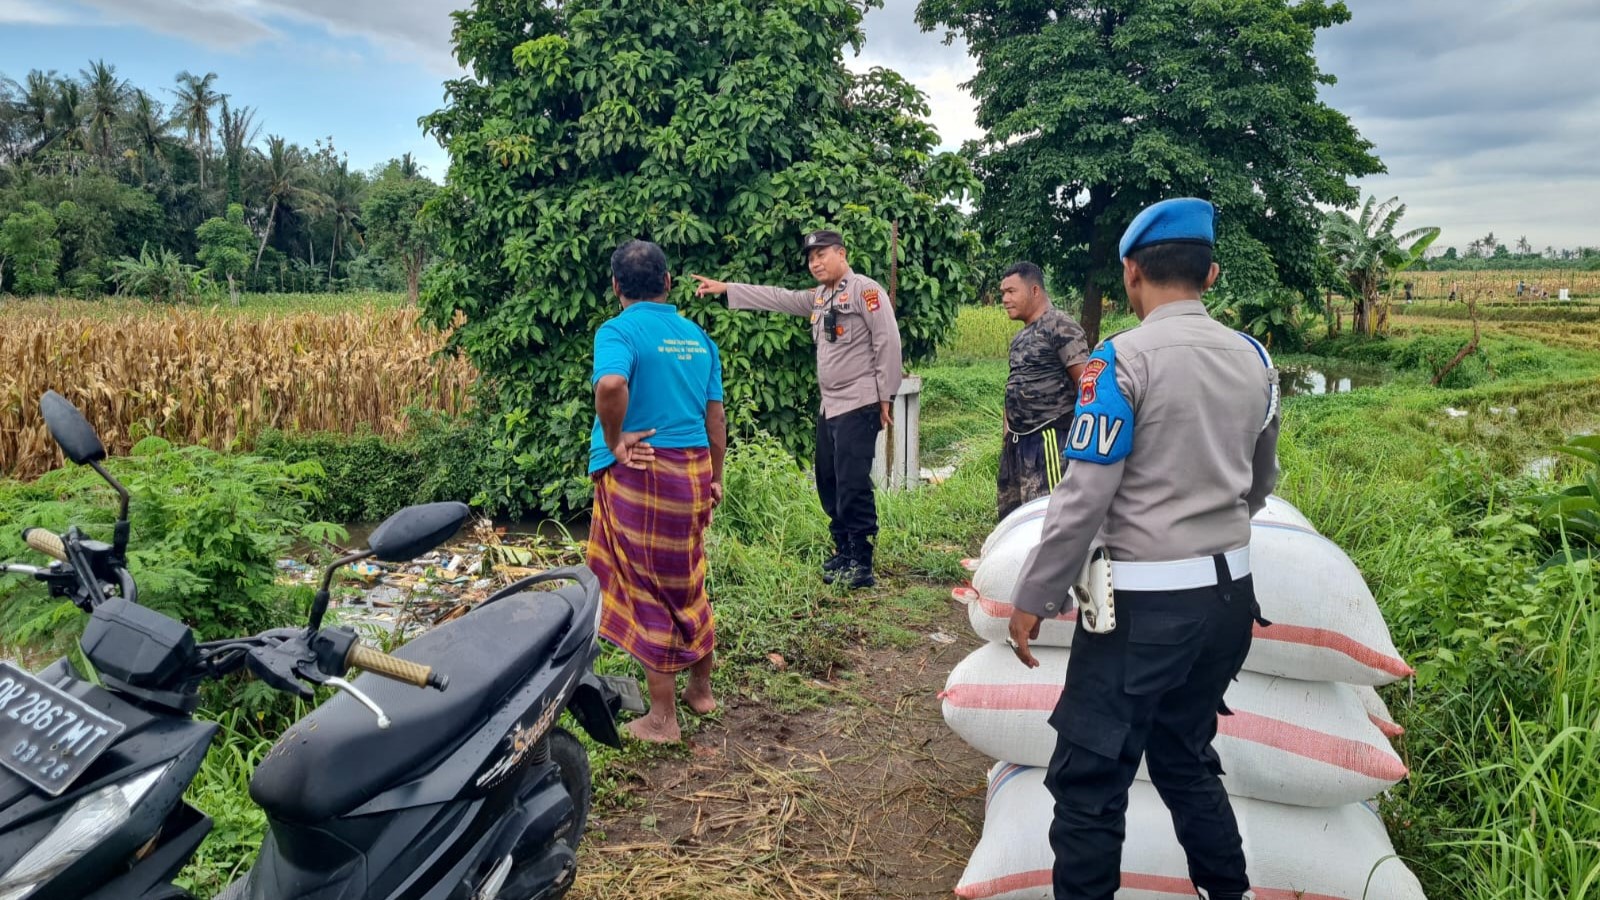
{"x":86,"y":824}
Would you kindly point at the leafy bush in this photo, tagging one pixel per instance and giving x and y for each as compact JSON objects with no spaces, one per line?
{"x":1573,"y":513}
{"x":722,"y":130}
{"x":207,"y":531}
{"x":161,"y":276}
{"x":367,"y":477}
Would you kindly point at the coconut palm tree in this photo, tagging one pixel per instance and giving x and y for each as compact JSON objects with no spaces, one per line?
{"x":66,"y":116}
{"x":147,"y":130}
{"x":285,"y":173}
{"x":238,"y":129}
{"x":33,"y":102}
{"x":1366,"y":252}
{"x":196,"y":96}
{"x":344,"y":191}
{"x":105,"y":93}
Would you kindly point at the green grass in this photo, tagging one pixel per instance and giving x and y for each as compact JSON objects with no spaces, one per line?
{"x":249,"y":304}
{"x":1503,"y":718}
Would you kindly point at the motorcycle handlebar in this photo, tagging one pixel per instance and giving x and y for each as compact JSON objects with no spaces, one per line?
{"x":45,"y":542}
{"x":379,"y":663}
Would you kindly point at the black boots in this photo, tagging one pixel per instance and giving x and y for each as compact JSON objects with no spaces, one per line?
{"x":840,"y":561}
{"x":859,"y":575}
{"x":851,"y":565}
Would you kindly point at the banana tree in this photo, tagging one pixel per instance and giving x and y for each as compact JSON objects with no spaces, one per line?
{"x":1367,"y":252}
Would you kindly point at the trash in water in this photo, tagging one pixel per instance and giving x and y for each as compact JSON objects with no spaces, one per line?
{"x":364,"y":571}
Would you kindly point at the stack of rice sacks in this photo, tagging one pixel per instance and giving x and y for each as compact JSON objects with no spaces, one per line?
{"x":1305,"y":751}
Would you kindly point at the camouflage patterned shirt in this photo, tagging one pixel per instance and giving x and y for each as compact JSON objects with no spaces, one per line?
{"x":1039,"y":390}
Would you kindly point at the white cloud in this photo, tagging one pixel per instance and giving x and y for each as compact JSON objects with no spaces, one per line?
{"x":29,"y":12}
{"x":223,"y":24}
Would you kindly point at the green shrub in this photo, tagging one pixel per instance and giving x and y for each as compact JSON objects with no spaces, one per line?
{"x":207,"y":532}
{"x":722,"y":130}
{"x":367,"y":477}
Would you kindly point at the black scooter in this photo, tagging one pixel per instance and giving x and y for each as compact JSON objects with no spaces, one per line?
{"x":446,"y":779}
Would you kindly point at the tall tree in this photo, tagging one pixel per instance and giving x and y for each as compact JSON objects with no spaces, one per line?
{"x":392,"y":216}
{"x":344,"y":190}
{"x":28,"y":108}
{"x":105,"y":96}
{"x":1367,"y":252}
{"x":196,"y":96}
{"x":238,"y":130}
{"x":66,"y":116}
{"x":225,"y":247}
{"x":721,"y":129}
{"x":28,"y":245}
{"x":285,"y":190}
{"x":146,"y":125}
{"x":1094,"y":109}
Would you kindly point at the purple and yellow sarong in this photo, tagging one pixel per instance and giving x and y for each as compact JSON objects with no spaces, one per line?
{"x":647,"y":547}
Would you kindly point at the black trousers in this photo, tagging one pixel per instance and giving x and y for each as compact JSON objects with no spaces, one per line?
{"x":845,"y":446}
{"x":1150,"y":689}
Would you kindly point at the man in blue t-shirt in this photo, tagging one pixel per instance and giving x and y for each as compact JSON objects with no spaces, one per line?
{"x":655,"y":456}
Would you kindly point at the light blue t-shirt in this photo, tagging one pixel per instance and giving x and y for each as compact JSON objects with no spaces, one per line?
{"x":673,"y":369}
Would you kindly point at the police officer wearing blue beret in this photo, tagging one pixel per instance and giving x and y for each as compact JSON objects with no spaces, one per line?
{"x":1174,"y":447}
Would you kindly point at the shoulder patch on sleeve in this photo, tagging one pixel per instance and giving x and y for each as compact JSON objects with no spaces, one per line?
{"x":870,"y":296}
{"x":1102,"y":425}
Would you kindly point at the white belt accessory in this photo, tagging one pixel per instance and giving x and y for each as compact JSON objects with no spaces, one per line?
{"x":1178,"y":574}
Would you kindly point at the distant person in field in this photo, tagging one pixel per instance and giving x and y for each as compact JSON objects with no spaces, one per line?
{"x":1047,"y":356}
{"x":655,"y":456}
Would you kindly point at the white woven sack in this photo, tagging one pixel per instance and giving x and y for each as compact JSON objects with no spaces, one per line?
{"x":1298,"y":742}
{"x":1378,"y":711}
{"x":1291,"y":852}
{"x":1326,"y":625}
{"x":1277,"y":510}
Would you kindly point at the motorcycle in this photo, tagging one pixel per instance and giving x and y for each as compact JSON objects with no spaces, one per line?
{"x":439,"y":774}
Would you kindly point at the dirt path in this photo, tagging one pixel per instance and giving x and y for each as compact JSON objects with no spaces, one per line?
{"x":873,"y":797}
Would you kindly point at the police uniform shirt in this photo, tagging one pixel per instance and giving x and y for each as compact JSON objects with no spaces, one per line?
{"x":861,"y":366}
{"x":1039,"y":390}
{"x":1178,"y":420}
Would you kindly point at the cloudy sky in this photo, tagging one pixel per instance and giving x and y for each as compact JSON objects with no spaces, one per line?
{"x":1487,"y":114}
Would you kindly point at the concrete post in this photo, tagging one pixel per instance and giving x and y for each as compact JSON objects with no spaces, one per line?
{"x":897,"y":461}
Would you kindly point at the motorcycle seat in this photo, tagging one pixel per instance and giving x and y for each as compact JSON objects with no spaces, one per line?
{"x":335,"y":759}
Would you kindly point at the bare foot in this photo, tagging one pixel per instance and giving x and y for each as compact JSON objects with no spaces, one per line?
{"x":697,"y":694}
{"x":654,"y":730}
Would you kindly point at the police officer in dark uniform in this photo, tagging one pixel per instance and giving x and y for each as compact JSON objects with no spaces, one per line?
{"x":859,"y":371}
{"x":1173,"y":447}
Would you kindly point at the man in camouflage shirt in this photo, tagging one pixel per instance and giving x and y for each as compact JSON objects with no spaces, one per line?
{"x":1047,"y":356}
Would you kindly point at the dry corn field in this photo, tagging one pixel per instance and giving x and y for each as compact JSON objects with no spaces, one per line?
{"x":198,"y":377}
{"x":1500,"y":286}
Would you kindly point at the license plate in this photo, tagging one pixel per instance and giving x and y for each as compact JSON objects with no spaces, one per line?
{"x":48,"y":737}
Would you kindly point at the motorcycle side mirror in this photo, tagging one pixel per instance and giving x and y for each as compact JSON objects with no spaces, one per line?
{"x":81,"y":444}
{"x":415,"y":530}
{"x":402,"y":537}
{"x":71,"y":430}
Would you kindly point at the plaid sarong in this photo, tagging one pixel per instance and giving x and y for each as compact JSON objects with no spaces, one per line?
{"x":647,"y":547}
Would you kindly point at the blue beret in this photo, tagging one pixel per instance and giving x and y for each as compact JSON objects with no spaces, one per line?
{"x":1185,"y":220}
